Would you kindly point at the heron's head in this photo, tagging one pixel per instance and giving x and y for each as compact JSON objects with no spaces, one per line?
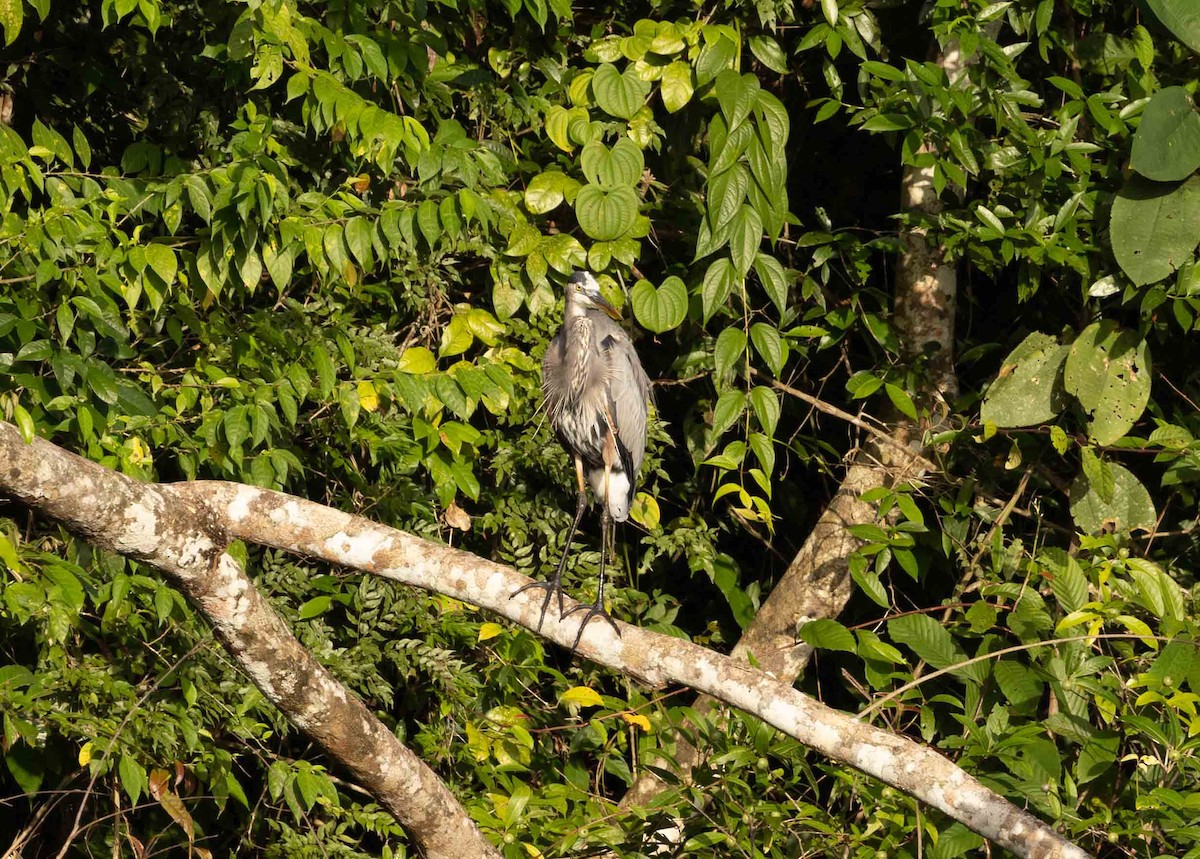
{"x":583,"y":293}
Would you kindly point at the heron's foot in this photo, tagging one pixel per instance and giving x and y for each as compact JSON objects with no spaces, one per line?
{"x":551,"y":587}
{"x":596,"y":609}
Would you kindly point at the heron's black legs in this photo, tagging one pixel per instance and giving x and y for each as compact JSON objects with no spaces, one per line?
{"x":554,"y":586}
{"x":597,"y":608}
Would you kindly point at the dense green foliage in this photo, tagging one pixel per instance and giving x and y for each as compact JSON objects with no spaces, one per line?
{"x":319,"y":247}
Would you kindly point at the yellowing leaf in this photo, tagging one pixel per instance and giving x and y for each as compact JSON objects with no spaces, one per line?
{"x":368,"y":398}
{"x":489,"y":630}
{"x":581,"y":695}
{"x":645,"y":511}
{"x":85,"y":754}
{"x":533,"y":851}
{"x":637,"y":719}
{"x":417,"y":360}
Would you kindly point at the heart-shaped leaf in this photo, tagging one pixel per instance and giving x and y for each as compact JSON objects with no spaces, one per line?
{"x":660,"y":309}
{"x":612,"y":168}
{"x":619,"y":94}
{"x":606,"y":215}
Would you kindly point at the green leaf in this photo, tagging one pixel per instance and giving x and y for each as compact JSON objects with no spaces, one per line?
{"x":767,"y":51}
{"x":727,"y":194}
{"x":314,"y":607}
{"x":660,"y":309}
{"x":1166,"y":146}
{"x":718,"y":283}
{"x":769,"y":345}
{"x":729,"y":348}
{"x":728,"y":409}
{"x":773,"y":279}
{"x":358,"y":239}
{"x":714,"y":57}
{"x":737,"y":94}
{"x":26,"y":766}
{"x":12,"y":13}
{"x":1098,"y":474}
{"x":612,"y":168}
{"x":1181,"y":17}
{"x":1108,"y":371}
{"x":1130,"y":509}
{"x":24,"y":423}
{"x":619,"y":94}
{"x":606,"y":215}
{"x":827,"y":634}
{"x":745,"y":236}
{"x":766,"y":408}
{"x":932,"y":642}
{"x":1153,"y":227}
{"x":1067,"y":581}
{"x":325,"y":372}
{"x":1028,"y":389}
{"x":133,"y":778}
{"x":676,"y":86}
{"x":547,"y":190}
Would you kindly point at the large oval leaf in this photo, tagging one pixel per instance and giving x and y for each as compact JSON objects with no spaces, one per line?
{"x":660,"y":309}
{"x":1166,"y":147}
{"x":619,"y":94}
{"x":1108,"y":371}
{"x":606,"y":215}
{"x":1181,"y":17}
{"x":1129,"y":508}
{"x":1153,"y":227}
{"x":1028,"y":389}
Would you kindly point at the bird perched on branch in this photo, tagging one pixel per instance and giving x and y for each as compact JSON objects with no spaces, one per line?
{"x":597,"y":396}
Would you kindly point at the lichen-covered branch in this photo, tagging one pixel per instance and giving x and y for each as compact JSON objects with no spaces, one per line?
{"x":181,"y":529}
{"x":170,"y":528}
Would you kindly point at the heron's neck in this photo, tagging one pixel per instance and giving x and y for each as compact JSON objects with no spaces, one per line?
{"x":573,"y":311}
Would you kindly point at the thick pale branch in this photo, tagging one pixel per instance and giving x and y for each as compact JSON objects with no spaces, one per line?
{"x":293,"y":524}
{"x":180,"y":528}
{"x":168,"y":527}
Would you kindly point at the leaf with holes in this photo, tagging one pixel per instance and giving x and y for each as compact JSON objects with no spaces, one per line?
{"x":1166,"y":146}
{"x":1153,"y":227}
{"x":1028,"y":389}
{"x":1130,"y":508}
{"x":660,"y":309}
{"x":1108,"y":371}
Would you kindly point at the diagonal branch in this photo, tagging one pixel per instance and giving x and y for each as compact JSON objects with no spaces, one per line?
{"x":181,"y":528}
{"x":170,"y":528}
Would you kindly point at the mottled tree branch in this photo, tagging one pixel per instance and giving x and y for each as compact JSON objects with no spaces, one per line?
{"x":170,"y":527}
{"x":182,"y":529}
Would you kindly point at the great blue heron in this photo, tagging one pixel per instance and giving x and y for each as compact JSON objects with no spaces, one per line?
{"x":597,"y":396}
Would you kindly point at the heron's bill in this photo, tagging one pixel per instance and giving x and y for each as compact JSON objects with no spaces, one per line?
{"x":608,"y":308}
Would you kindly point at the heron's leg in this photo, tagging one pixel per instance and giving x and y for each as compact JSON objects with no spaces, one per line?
{"x":596,"y":609}
{"x":554,"y":586}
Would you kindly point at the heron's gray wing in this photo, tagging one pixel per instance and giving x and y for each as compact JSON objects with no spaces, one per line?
{"x":628,"y":393}
{"x":554,"y":376}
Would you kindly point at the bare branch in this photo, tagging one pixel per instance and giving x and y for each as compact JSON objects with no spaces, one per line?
{"x":168,"y":527}
{"x":181,"y":528}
